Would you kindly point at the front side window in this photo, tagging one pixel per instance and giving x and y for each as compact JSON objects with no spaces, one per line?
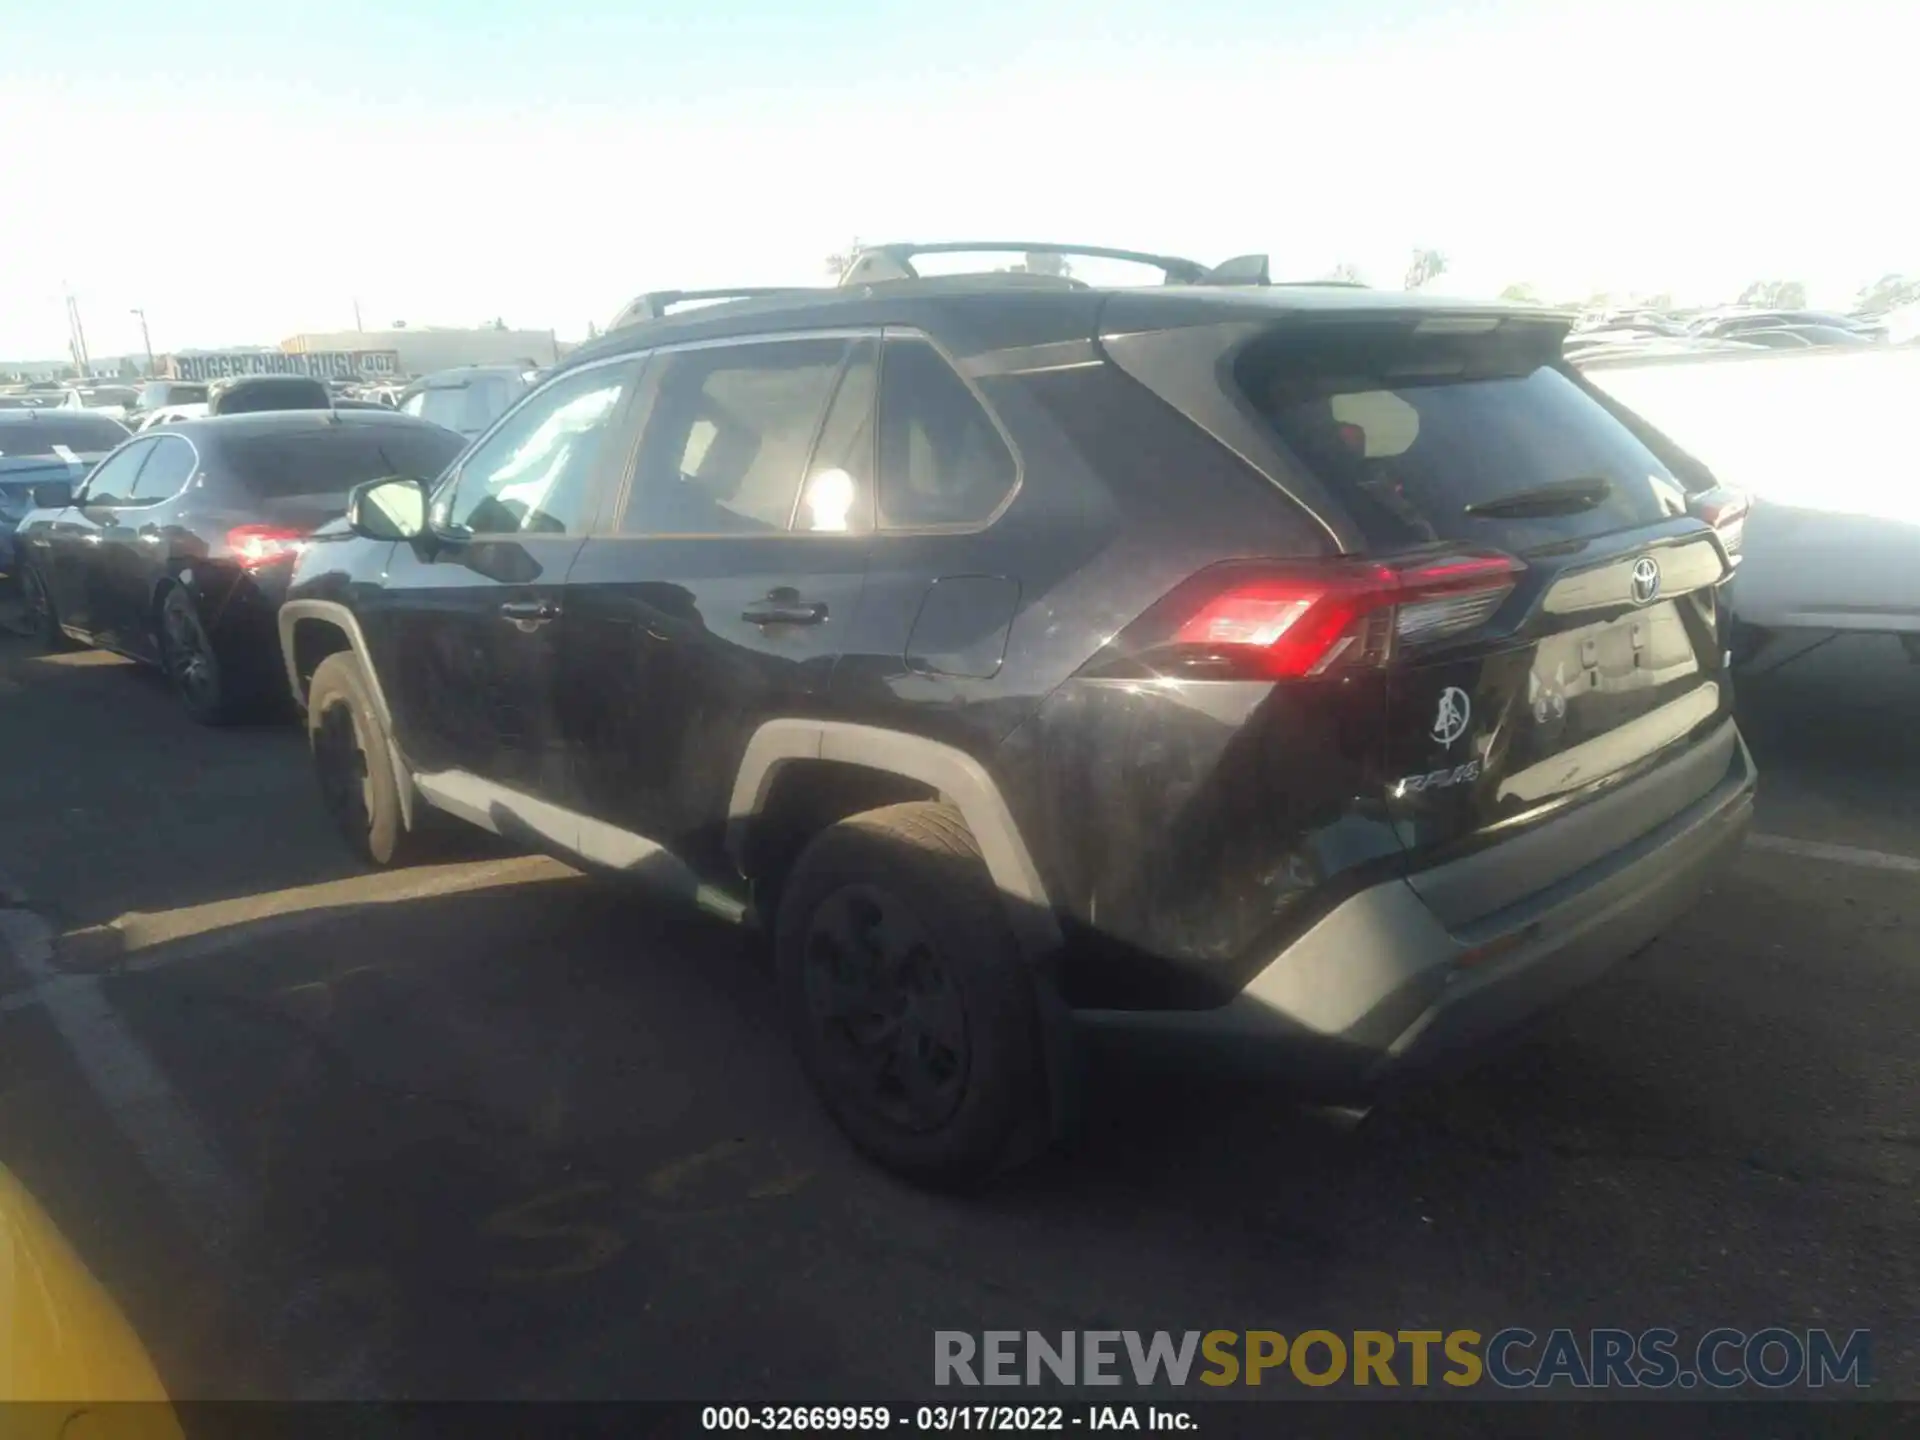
{"x":729,"y":438}
{"x":169,"y":465}
{"x":942,"y":461}
{"x":534,"y":475}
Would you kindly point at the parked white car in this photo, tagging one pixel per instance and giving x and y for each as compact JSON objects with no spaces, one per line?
{"x":171,"y":415}
{"x":1816,"y":438}
{"x":110,"y":400}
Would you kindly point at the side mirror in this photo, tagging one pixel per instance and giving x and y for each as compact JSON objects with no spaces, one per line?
{"x":53,"y":495}
{"x":390,"y":509}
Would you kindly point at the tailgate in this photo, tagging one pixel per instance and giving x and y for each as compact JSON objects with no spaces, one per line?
{"x":1602,"y":663}
{"x":1609,"y":669}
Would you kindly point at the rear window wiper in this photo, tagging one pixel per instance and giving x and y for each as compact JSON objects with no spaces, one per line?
{"x":1561,"y":497}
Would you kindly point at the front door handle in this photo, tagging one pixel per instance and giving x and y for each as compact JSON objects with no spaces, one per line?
{"x":529,"y":613}
{"x":784,"y":607}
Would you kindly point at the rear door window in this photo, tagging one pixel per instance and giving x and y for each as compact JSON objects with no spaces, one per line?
{"x":169,"y":465}
{"x":112,"y":483}
{"x":728,"y":440}
{"x":1408,"y":433}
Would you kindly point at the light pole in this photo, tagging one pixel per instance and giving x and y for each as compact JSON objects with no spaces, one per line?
{"x":145,"y":339}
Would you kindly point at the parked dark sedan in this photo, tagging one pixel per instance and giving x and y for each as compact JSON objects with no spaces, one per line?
{"x":176,"y":549}
{"x":41,"y":444}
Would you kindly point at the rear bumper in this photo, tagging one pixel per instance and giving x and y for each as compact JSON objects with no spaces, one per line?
{"x":1381,"y":989}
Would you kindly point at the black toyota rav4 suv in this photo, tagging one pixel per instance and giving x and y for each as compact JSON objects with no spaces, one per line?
{"x":1325,"y":671}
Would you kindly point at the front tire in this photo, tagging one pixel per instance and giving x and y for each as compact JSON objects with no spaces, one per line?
{"x":915,"y":1016}
{"x":353,"y":761}
{"x":43,"y":621}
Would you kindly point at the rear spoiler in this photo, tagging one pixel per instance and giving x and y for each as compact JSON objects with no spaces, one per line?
{"x":656,"y":303}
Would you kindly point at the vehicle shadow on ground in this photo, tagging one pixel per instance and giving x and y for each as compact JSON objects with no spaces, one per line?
{"x":548,"y":1140}
{"x":115,"y":800}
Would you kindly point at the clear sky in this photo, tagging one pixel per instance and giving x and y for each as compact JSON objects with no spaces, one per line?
{"x":245,"y":171}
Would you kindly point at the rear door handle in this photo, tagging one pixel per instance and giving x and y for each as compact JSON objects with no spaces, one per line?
{"x":785,"y":607}
{"x":528,"y":613}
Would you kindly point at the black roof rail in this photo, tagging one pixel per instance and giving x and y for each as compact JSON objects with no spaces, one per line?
{"x":656,"y":303}
{"x":875,"y":264}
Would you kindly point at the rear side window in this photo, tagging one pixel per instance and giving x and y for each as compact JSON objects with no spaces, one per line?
{"x":729,"y":437}
{"x":332,"y":459}
{"x":942,"y":461}
{"x":1408,"y":433}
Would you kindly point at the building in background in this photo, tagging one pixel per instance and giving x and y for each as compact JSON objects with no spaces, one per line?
{"x":431,"y":348}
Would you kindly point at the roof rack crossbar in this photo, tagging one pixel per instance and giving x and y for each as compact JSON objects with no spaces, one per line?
{"x":656,"y":303}
{"x":875,"y":263}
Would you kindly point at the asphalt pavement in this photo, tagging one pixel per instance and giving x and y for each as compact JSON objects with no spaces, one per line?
{"x":492,"y":1129}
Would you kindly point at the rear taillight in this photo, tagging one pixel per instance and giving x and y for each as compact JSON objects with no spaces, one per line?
{"x":1287,"y":622}
{"x":256,"y":545}
{"x":1725,"y":509}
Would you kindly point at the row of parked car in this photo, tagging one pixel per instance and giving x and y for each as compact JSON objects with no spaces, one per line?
{"x":1328,"y":677}
{"x":1649,"y":333}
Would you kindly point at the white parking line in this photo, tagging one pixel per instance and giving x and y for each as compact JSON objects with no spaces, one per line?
{"x":1836,"y":854}
{"x":149,"y":1113}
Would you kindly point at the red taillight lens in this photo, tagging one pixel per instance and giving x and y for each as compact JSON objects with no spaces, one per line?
{"x":1294,"y":622}
{"x":257,"y":545}
{"x":1725,"y":509}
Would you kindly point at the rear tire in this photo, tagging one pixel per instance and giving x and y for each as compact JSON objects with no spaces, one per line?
{"x":914,"y":1013}
{"x":353,"y":761}
{"x":195,"y":669}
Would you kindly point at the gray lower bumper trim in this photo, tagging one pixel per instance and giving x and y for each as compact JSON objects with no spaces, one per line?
{"x":1381,"y":986}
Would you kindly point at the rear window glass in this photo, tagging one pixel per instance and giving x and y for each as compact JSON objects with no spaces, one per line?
{"x":47,"y":433}
{"x":1408,"y":435}
{"x":171,"y":392}
{"x":330,"y":460}
{"x":469,"y":407}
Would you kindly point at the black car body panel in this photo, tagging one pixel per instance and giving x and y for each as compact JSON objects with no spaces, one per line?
{"x":217,"y":508}
{"x":1067,"y":531}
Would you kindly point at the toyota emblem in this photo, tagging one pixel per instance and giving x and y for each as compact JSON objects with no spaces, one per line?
{"x":1645,"y":583}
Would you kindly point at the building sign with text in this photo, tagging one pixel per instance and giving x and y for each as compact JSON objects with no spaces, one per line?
{"x":321,"y":364}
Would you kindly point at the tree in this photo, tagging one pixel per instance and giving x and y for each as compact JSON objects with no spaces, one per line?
{"x":1887,"y":293}
{"x":1521,"y":292}
{"x":1427,"y":265}
{"x":840,"y":262}
{"x":1344,"y":273}
{"x":1775,"y":295}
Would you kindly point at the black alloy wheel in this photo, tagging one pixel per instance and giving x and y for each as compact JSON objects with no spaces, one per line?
{"x":345,"y":774}
{"x":887,"y":1015}
{"x":191,"y":663}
